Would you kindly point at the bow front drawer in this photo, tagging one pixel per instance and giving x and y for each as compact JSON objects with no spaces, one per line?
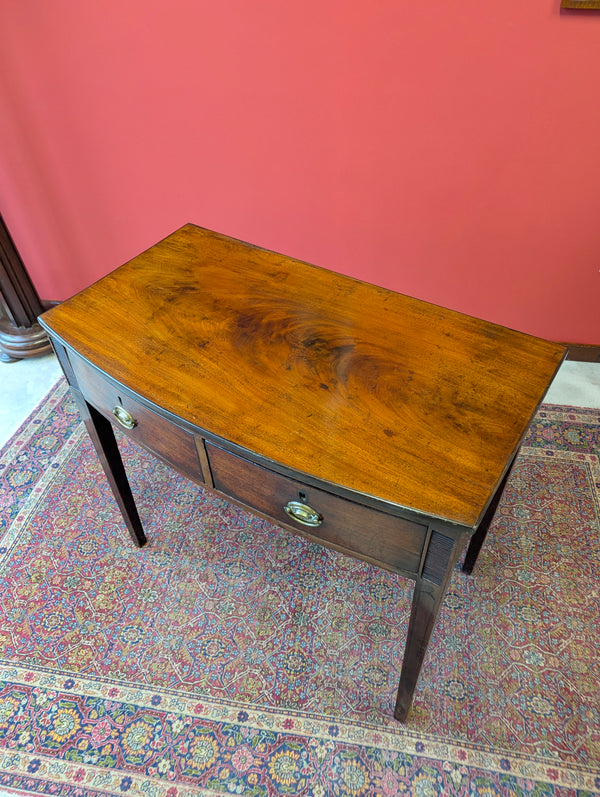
{"x":159,"y":435}
{"x":392,"y":541}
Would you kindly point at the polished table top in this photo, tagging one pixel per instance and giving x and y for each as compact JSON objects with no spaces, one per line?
{"x":385,"y":395}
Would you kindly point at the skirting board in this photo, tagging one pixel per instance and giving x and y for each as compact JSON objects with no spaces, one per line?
{"x":583,"y":352}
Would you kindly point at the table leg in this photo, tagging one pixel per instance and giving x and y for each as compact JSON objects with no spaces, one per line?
{"x":429,"y":590}
{"x":102,"y":435}
{"x":425,"y":606}
{"x":479,"y":536}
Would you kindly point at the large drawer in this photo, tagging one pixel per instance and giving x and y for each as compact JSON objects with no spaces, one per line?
{"x":361,"y":530}
{"x":170,"y":442}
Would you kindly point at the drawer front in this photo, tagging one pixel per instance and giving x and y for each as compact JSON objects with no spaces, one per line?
{"x":164,"y":438}
{"x":384,"y":539}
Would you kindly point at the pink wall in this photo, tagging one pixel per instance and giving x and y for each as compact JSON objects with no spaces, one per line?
{"x":448,"y":150}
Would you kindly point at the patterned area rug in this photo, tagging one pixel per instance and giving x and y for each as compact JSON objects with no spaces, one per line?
{"x":231,"y":657}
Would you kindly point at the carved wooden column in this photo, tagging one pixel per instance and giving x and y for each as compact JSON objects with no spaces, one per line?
{"x":20,"y":334}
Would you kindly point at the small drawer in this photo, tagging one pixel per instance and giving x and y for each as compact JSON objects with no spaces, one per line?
{"x":159,"y":435}
{"x":387,"y":540}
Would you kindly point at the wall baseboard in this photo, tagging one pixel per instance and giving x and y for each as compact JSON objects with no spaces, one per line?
{"x":583,"y":353}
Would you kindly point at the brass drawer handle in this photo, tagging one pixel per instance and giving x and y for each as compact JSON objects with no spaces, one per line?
{"x":123,"y":417}
{"x":303,"y":513}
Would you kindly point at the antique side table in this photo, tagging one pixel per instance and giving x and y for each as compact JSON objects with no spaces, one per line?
{"x":377,"y":424}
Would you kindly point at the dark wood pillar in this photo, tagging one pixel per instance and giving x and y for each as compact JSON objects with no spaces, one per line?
{"x":20,"y":334}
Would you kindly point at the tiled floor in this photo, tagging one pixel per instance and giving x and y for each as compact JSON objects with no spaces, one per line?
{"x":23,"y":384}
{"x":577,"y":384}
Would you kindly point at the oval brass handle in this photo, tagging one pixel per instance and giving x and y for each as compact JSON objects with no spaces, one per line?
{"x":303,"y":513}
{"x":123,"y":417}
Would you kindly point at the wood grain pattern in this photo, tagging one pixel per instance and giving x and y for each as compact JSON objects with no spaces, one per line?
{"x":383,"y":394}
{"x":167,"y":440}
{"x":581,"y":4}
{"x":390,"y":542}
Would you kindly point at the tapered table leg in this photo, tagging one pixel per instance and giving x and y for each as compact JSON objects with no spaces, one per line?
{"x":425,"y":606}
{"x":430,"y":587}
{"x":103,"y":437}
{"x":479,"y":536}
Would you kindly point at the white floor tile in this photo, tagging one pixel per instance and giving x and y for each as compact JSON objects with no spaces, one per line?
{"x":23,"y":384}
{"x":576,"y":384}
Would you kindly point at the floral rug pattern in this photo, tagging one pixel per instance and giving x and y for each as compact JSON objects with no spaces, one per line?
{"x":231,"y":657}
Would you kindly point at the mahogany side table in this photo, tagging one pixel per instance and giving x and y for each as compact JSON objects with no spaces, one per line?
{"x":368,"y":421}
